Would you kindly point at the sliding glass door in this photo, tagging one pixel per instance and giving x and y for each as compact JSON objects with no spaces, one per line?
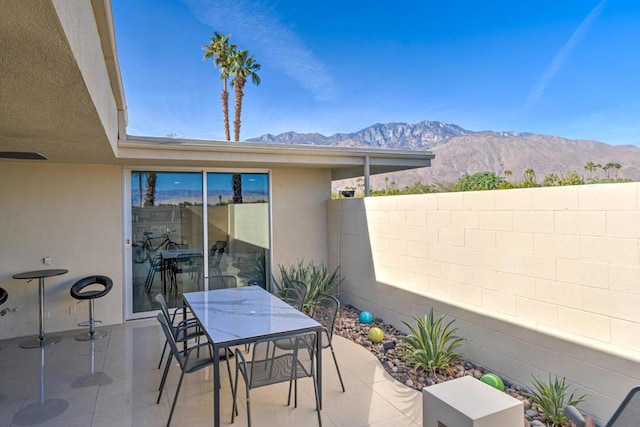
{"x":177,"y":247}
{"x":238,"y":229}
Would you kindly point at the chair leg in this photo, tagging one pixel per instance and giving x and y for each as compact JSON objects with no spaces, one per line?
{"x":150,"y":276}
{"x":164,"y":349}
{"x":175,"y":399}
{"x":248,"y":406}
{"x":234,"y":389}
{"x":164,"y":376}
{"x":228,"y":353}
{"x":337,"y":368}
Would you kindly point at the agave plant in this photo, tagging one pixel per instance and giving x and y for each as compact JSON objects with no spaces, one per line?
{"x":550,"y":398}
{"x":431,"y":344}
{"x":257,"y":269}
{"x":315,"y":276}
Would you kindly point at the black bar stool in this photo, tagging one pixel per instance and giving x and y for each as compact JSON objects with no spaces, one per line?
{"x":3,"y":296}
{"x":78,"y":293}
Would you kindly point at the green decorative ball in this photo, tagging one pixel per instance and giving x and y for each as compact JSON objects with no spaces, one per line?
{"x":375,"y":335}
{"x":493,"y":380}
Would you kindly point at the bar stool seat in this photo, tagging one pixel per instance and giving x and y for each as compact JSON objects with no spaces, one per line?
{"x":77,"y":291}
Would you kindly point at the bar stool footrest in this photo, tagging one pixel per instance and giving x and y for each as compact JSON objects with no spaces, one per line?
{"x":87,"y":336}
{"x":89,"y":323}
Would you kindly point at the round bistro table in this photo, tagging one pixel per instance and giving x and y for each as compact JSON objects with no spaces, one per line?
{"x":40,"y":340}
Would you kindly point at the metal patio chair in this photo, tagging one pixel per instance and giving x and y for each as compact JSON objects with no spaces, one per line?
{"x":627,"y":414}
{"x":266,"y":368}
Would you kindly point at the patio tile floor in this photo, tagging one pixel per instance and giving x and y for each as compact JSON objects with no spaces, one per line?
{"x":122,"y":389}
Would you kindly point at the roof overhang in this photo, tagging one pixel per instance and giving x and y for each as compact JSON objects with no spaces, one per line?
{"x":59,"y":79}
{"x":344,"y":162}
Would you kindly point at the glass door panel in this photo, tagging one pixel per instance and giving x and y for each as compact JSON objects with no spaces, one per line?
{"x":238,"y":229}
{"x":168,"y":239}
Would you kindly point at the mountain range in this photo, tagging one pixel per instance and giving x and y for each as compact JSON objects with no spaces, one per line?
{"x":459,"y":151}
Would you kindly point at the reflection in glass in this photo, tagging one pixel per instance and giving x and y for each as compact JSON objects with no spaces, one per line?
{"x":44,"y":409}
{"x":166,"y":222}
{"x":238,"y":229}
{"x":168,"y":233}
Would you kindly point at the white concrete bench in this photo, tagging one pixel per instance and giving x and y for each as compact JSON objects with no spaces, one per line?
{"x":468,"y":402}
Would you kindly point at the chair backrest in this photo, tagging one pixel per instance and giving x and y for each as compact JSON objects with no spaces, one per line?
{"x":294,"y":293}
{"x":628,"y":413}
{"x":190,"y":259}
{"x":171,"y":340}
{"x":164,"y":308}
{"x":172,"y":246}
{"x":272,"y":364}
{"x":218,"y":247}
{"x":222,"y":282}
{"x":156,"y":261}
{"x":325,"y":311}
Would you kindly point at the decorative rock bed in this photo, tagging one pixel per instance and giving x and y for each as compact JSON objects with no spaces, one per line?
{"x":348,"y":326}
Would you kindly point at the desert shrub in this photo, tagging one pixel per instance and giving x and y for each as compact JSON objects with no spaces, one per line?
{"x":257,"y":269}
{"x":316,"y":276}
{"x":479,"y":181}
{"x":550,"y":397}
{"x":431,"y":344}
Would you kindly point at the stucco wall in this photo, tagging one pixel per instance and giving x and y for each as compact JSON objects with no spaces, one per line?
{"x":72,"y":214}
{"x":299,"y":215}
{"x":540,"y":280}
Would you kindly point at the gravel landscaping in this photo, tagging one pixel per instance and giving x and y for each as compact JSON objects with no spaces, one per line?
{"x":348,"y":326}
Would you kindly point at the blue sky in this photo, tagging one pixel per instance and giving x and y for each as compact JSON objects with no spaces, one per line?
{"x":562,"y":67}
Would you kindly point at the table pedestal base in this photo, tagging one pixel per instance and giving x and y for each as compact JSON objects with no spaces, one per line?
{"x":36,"y":342}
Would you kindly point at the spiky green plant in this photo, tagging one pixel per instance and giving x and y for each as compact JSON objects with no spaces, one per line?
{"x":550,"y":397}
{"x":258,"y":269}
{"x":315,"y":276}
{"x":431,"y":344}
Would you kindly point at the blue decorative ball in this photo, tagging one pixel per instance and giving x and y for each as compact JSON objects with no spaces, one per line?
{"x":366,"y":317}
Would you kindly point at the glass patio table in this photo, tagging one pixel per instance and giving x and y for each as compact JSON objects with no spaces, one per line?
{"x":235,"y":316}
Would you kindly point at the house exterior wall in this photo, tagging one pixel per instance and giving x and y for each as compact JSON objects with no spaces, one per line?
{"x":72,"y":213}
{"x":540,"y":281}
{"x":299,"y":215}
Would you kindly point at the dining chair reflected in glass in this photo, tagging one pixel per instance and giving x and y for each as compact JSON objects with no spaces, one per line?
{"x":189,"y":263}
{"x":223,"y":282}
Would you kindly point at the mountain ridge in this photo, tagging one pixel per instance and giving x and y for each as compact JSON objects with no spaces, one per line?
{"x":460,"y":151}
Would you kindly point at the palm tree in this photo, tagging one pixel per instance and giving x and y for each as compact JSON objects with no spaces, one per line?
{"x":617,"y":167}
{"x":609,"y":166}
{"x":590,"y":167}
{"x":150,"y":191}
{"x":598,"y":166}
{"x":221,"y":51}
{"x":243,"y":67}
{"x":529,"y":177}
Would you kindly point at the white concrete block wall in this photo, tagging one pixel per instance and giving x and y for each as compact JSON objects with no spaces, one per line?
{"x":541,"y":281}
